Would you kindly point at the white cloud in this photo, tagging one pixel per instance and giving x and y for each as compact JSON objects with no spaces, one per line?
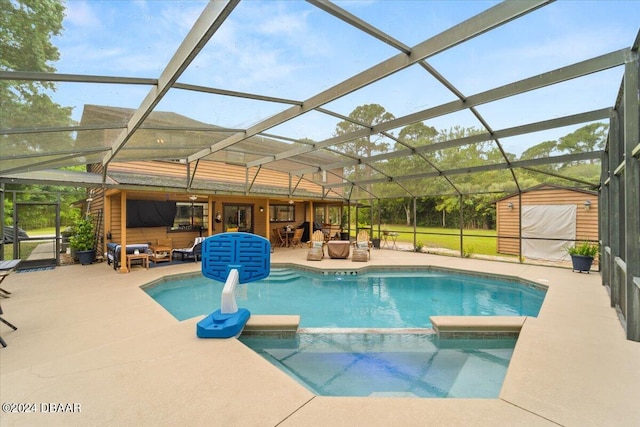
{"x":81,"y":14}
{"x":284,"y":24}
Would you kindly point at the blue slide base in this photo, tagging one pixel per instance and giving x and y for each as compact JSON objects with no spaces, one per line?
{"x":218,"y":325}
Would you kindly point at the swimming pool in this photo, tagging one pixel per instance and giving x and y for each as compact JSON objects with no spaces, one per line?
{"x":388,"y":362}
{"x":390,"y":365}
{"x":376,"y":299}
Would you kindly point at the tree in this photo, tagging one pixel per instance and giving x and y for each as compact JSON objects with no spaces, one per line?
{"x":540,"y":151}
{"x":414,"y":135}
{"x":26,"y":29}
{"x":417,"y":134}
{"x":588,"y":138}
{"x":364,"y":115}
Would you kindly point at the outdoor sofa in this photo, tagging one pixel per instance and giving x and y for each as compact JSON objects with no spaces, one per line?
{"x":114,"y":250}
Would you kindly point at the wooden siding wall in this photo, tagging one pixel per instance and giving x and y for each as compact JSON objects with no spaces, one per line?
{"x":180,"y":239}
{"x":508,"y":219}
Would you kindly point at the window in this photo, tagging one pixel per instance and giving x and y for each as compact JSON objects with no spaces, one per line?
{"x":327,"y":214}
{"x":282,"y":213}
{"x":191,"y":216}
{"x":318,"y":214}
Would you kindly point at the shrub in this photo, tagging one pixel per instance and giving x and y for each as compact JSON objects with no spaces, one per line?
{"x":83,"y":239}
{"x":584,"y":249}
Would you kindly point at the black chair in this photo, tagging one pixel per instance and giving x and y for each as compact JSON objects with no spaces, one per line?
{"x":4,"y":344}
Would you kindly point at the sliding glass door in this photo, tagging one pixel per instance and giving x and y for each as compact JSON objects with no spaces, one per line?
{"x":238,"y":217}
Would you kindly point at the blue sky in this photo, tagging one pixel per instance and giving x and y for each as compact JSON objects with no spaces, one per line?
{"x":290,"y":49}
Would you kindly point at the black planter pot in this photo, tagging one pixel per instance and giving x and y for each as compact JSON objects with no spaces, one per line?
{"x":376,"y":243}
{"x":581,"y":263}
{"x":86,"y":257}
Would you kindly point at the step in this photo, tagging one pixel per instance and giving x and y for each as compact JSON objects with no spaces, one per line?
{"x":282,"y":275}
{"x":463,"y":326}
{"x":281,"y":326}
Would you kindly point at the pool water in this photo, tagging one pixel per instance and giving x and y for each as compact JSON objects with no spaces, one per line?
{"x":372,"y":300}
{"x":390,"y":365}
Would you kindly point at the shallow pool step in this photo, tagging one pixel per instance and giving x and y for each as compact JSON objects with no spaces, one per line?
{"x":282,"y":275}
{"x":477,"y":326}
{"x":274,"y":326}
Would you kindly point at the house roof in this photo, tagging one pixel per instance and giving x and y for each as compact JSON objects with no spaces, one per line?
{"x":547,"y":187}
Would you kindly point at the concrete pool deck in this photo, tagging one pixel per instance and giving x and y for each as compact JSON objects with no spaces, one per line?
{"x":89,"y":338}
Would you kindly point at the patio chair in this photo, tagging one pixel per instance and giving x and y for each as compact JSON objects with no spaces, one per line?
{"x":279,"y":239}
{"x":195,"y":251}
{"x":316,"y":246}
{"x":362,"y":244}
{"x":4,"y":344}
{"x":296,"y":240}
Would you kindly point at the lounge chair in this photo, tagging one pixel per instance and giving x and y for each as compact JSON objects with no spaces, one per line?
{"x":362,"y":247}
{"x":316,"y":246}
{"x":195,"y":251}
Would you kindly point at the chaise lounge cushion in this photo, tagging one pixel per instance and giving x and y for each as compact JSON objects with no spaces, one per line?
{"x":195,"y":251}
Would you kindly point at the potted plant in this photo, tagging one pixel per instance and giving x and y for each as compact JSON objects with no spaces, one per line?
{"x":582,"y":255}
{"x":83,"y":241}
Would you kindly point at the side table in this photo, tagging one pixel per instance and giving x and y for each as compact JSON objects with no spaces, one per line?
{"x":143,"y":257}
{"x":160,"y":253}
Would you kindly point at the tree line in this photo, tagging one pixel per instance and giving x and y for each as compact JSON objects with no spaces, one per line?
{"x":479,"y":190}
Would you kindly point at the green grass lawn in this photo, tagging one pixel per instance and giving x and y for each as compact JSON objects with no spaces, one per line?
{"x":482,"y":242}
{"x":27,"y":247}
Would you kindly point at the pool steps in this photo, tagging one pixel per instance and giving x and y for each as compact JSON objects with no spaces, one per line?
{"x":281,"y":326}
{"x":477,"y":326}
{"x":284,"y":326}
{"x":282,"y":275}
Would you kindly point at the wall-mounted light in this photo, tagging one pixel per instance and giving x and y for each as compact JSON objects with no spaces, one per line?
{"x":510,"y":206}
{"x":587,"y":205}
{"x":290,"y":202}
{"x":193,"y":197}
{"x":261,"y":209}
